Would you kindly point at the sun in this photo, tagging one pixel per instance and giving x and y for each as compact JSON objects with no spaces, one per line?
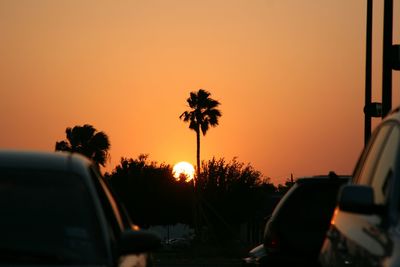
{"x":183,"y":168}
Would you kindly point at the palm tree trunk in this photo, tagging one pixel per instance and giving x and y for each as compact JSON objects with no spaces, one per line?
{"x":196,"y":203}
{"x":198,"y":153}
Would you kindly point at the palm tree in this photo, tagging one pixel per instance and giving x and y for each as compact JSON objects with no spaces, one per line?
{"x":87,"y":141}
{"x":201,"y":116}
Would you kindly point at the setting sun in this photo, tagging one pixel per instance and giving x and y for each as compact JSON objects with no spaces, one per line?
{"x":183,"y":168}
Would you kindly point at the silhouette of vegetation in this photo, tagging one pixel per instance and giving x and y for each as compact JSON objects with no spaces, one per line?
{"x":87,"y":141}
{"x":227,"y":196}
{"x":151,"y":195}
{"x":229,"y":193}
{"x":203,"y":113}
{"x":283,"y":188}
{"x":232,"y":193}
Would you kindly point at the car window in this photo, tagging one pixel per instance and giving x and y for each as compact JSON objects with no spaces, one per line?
{"x":109,"y":205}
{"x":305,"y":216}
{"x":385,"y":167}
{"x":309,"y":205}
{"x":54,"y":208}
{"x":366,"y":168}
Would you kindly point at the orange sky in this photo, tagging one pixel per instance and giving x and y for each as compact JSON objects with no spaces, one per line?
{"x":289,"y":75}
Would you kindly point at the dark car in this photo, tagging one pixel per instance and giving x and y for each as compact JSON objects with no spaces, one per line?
{"x":56,"y":209}
{"x":294,"y":233}
{"x":365,"y":229}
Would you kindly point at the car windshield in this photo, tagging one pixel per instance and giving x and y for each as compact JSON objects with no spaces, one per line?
{"x":46,"y":218}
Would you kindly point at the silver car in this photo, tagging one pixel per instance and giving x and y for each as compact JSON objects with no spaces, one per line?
{"x":365,"y":228}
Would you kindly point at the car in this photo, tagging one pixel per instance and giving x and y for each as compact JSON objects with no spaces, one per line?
{"x":294,"y":233}
{"x":365,"y":228}
{"x":56,"y":209}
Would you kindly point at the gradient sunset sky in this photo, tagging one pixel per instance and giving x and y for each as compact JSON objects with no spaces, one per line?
{"x":289,"y":75}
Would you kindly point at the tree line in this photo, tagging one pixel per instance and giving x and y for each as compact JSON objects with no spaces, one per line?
{"x":227,"y":194}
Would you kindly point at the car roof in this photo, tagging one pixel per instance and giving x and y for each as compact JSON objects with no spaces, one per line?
{"x":309,"y":183}
{"x":394,"y":115}
{"x":41,"y":160}
{"x":331,"y":177}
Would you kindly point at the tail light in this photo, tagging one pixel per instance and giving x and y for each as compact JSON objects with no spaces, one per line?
{"x":271,"y":241}
{"x":272,"y":244}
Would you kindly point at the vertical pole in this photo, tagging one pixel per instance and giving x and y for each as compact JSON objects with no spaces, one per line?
{"x":387,"y":62}
{"x":368,"y":73}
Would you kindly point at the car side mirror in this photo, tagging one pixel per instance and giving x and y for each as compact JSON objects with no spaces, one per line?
{"x":358,"y":199}
{"x":138,"y":241}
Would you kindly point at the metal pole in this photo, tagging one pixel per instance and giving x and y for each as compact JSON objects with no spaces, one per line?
{"x":368,"y":73}
{"x":387,"y":62}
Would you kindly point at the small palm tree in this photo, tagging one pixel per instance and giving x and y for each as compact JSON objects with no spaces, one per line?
{"x":87,"y":141}
{"x":201,"y":116}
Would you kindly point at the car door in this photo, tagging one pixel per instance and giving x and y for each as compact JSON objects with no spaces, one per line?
{"x":362,"y":239}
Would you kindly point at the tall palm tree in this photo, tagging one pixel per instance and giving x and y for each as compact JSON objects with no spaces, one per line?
{"x":203,"y":113}
{"x":87,"y":141}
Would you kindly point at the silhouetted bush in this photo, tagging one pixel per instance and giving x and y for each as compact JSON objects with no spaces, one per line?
{"x":150,"y":193}
{"x":226,"y":195}
{"x":229,"y":194}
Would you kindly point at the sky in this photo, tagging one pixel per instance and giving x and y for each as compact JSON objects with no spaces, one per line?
{"x":289,"y":75}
